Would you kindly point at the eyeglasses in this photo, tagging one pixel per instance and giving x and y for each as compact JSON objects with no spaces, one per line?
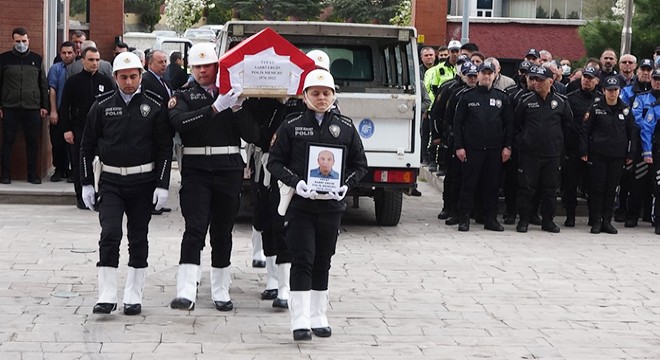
{"x":628,"y":62}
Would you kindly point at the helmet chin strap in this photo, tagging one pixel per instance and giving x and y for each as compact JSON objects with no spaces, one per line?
{"x":314,"y":108}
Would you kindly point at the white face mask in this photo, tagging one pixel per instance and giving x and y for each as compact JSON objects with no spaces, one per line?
{"x":21,"y":47}
{"x":566,"y":69}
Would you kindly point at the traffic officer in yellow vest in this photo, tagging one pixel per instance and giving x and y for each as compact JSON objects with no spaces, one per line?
{"x":211,"y":127}
{"x":129,"y":131}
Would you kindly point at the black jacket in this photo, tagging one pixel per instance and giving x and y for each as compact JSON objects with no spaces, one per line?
{"x":23,"y":83}
{"x":609,"y":131}
{"x":483,"y":119}
{"x":151,"y":82}
{"x":78,"y":95}
{"x":125,"y":136}
{"x":288,"y":153}
{"x":191,"y":115}
{"x":176,"y":76}
{"x":580,"y":102}
{"x":542,"y":124}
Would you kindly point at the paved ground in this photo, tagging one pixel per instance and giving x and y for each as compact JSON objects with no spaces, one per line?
{"x":418,"y":290}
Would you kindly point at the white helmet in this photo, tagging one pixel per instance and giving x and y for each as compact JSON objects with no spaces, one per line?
{"x":454,"y":45}
{"x":202,"y":54}
{"x":126,"y":60}
{"x":319,"y":77}
{"x":321,"y":59}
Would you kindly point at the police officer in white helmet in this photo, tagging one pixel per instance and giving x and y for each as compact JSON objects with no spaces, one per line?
{"x":313,"y":217}
{"x":129,"y":131}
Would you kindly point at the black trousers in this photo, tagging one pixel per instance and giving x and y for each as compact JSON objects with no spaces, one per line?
{"x":483,"y":168}
{"x":209,"y":202}
{"x":75,"y":160}
{"x":114,"y":202}
{"x":641,"y":189}
{"x":572,"y":171}
{"x":510,"y":184}
{"x":542,"y":174}
{"x":269,"y":222}
{"x":605,"y":173}
{"x":312,"y":240}
{"x":59,"y":148}
{"x":30,"y":121}
{"x":625,"y":184}
{"x":452,"y":185}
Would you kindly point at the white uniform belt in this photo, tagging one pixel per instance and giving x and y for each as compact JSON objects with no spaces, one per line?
{"x":211,"y":150}
{"x":131,"y":170}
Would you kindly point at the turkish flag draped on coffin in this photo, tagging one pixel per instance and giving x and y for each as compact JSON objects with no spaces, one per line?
{"x":265,"y":64}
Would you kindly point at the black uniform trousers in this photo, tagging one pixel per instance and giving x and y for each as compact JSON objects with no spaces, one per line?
{"x":641,"y":189}
{"x":542,"y":174}
{"x":625,"y":184}
{"x":115,"y":201}
{"x":312,"y":240}
{"x":605,"y":173}
{"x":75,"y":159}
{"x":59,"y":148}
{"x":269,"y":222}
{"x":209,"y":201}
{"x":510,"y":183}
{"x":30,"y":121}
{"x":483,"y":167}
{"x":572,"y":171}
{"x":452,"y":185}
{"x":656,"y":185}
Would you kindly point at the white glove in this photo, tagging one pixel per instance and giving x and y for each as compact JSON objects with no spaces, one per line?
{"x":160,"y":198}
{"x":226,"y":101}
{"x":303,"y":190}
{"x":340,"y":193}
{"x":89,"y":196}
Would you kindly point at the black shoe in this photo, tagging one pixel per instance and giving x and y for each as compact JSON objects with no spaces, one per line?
{"x":493,"y":225}
{"x":81,"y":205}
{"x":443,"y":215}
{"x":165,"y":209}
{"x":33,"y":179}
{"x":322,"y":332}
{"x":433,"y":166}
{"x":5,"y":180}
{"x":535,"y":220}
{"x":596,"y":227}
{"x":157,"y":212}
{"x":302,"y":334}
{"x":464,"y":226}
{"x":104,"y":308}
{"x":620,"y":218}
{"x":224,"y":305}
{"x":647,"y":218}
{"x":182,"y":304}
{"x":69,"y":179}
{"x":258,"y":263}
{"x":509,"y":219}
{"x":608,"y":228}
{"x":132,"y":309}
{"x":570,"y":222}
{"x":657,"y":229}
{"x":550,"y":227}
{"x":57,"y":176}
{"x":280,"y":303}
{"x":416,"y":192}
{"x":630,"y":223}
{"x":269,"y":294}
{"x":452,"y":221}
{"x":522,"y":227}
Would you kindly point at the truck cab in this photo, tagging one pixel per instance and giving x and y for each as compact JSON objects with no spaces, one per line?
{"x":376,"y":70}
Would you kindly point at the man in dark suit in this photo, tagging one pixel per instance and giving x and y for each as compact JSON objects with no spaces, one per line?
{"x":175,"y":74}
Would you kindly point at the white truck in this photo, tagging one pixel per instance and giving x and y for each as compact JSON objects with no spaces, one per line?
{"x":376,"y":69}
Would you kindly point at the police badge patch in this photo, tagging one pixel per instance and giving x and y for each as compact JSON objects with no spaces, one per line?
{"x":498,"y":103}
{"x":145,"y":110}
{"x":649,"y":117}
{"x":626,"y":111}
{"x":635,"y":104}
{"x":554,"y":104}
{"x":172,"y":103}
{"x":335,"y":130}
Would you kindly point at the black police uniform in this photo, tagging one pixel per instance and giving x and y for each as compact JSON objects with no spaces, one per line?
{"x":483,"y":126}
{"x":211,"y":177}
{"x":609,"y":136}
{"x":131,"y":137}
{"x":543,"y":123}
{"x":573,"y":168}
{"x":78,"y":95}
{"x":313,"y":225}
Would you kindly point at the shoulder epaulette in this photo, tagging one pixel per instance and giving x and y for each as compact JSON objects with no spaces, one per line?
{"x":293,"y":117}
{"x":103,"y":97}
{"x":345,"y":119}
{"x":157,"y":99}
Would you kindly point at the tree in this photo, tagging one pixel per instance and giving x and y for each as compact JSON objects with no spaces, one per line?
{"x":403,"y":16}
{"x":275,"y":9}
{"x":366,"y":11}
{"x":182,"y":14}
{"x":149,"y":11}
{"x":541,"y":13}
{"x":596,"y":9}
{"x":219,"y":14}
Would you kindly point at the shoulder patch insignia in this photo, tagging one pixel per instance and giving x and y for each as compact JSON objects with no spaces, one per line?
{"x":554,"y":104}
{"x":172,"y":103}
{"x":635,"y":104}
{"x":145,"y":110}
{"x":586,"y":116}
{"x":626,"y":111}
{"x":649,"y":117}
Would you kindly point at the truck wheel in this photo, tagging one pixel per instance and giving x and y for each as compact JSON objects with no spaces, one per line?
{"x":388,"y":207}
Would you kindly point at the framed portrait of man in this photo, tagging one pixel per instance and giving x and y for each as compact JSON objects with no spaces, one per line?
{"x":325,"y":167}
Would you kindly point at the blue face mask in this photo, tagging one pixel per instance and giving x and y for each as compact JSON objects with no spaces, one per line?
{"x":21,"y":47}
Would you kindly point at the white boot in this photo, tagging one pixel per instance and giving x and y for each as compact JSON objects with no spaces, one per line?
{"x":283,"y":273}
{"x":271,"y":270}
{"x":107,"y":278}
{"x":299,"y":308}
{"x":258,"y":257}
{"x":319,"y":308}
{"x":134,"y":285}
{"x":220,"y":281}
{"x":134,"y":290}
{"x":186,"y":287}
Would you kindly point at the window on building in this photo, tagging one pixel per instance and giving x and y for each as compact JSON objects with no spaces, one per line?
{"x":539,"y":9}
{"x":485,"y":8}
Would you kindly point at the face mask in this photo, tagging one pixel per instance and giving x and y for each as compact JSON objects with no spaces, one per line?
{"x":566,"y":69}
{"x":21,"y":47}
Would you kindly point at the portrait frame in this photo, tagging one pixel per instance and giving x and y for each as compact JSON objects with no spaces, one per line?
{"x":314,"y":177}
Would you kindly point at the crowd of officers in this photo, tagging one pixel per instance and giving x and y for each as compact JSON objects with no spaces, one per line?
{"x":548,"y":130}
